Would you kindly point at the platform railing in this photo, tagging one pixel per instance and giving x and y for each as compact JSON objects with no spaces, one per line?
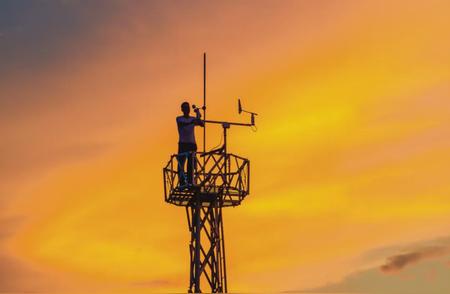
{"x":215,"y":176}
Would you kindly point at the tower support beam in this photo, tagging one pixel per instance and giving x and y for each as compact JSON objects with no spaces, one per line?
{"x":206,"y":248}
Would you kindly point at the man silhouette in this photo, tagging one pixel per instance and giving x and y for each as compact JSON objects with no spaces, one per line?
{"x":186,"y":143}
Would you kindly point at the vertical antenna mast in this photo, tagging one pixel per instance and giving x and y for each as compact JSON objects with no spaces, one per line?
{"x":204,"y":101}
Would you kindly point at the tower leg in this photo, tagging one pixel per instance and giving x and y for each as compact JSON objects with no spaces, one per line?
{"x":207,"y":248}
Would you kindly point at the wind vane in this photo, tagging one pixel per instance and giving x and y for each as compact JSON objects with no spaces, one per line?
{"x":220,"y":179}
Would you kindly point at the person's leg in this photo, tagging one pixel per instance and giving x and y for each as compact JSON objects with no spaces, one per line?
{"x":181,"y":173}
{"x":191,"y":164}
{"x":181,"y":162}
{"x":189,"y":169}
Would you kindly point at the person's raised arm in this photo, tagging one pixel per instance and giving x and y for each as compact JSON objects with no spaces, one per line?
{"x":198,"y":119}
{"x":181,"y":124}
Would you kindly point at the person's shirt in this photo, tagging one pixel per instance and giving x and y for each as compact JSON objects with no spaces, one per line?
{"x":186,"y":127}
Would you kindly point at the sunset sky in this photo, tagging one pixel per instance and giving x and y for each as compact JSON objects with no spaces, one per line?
{"x":350,"y":187}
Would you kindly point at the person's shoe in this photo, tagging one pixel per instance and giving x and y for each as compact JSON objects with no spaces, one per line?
{"x":182,"y":187}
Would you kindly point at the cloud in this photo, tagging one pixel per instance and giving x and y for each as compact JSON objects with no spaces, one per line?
{"x":37,"y":32}
{"x":430,"y":276}
{"x":420,"y":267}
{"x":400,"y":261}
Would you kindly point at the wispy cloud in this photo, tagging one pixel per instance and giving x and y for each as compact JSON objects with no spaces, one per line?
{"x":418,"y":264}
{"x":400,"y":261}
{"x":429,"y":277}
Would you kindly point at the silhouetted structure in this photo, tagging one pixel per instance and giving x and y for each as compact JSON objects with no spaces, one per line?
{"x":219,"y":179}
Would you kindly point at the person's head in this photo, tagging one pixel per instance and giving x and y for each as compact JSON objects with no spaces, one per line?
{"x":185,"y":108}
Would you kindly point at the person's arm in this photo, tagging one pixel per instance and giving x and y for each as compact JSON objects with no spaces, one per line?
{"x":183,"y":124}
{"x":198,"y":120}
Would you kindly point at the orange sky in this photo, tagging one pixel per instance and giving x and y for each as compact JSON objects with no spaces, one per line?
{"x":350,"y":163}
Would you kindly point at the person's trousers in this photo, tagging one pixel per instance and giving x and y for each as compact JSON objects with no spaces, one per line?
{"x":186,"y":151}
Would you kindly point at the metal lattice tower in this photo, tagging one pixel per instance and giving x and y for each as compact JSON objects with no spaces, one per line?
{"x":220,"y":179}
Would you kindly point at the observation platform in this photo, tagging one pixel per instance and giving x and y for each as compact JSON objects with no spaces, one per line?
{"x":217,"y":177}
